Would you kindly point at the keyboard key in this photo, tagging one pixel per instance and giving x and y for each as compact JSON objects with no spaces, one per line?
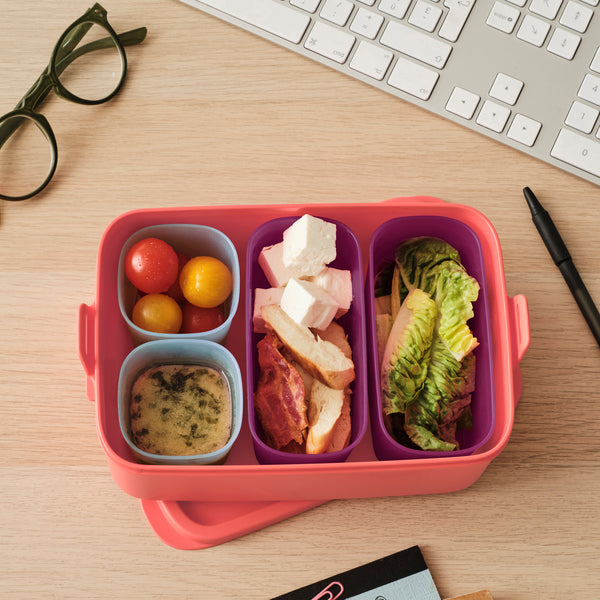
{"x":524,"y":130}
{"x":582,"y":117}
{"x":595,"y":66}
{"x":576,"y":16}
{"x":425,"y":16}
{"x":578,"y":151}
{"x":485,"y":64}
{"x":545,"y":8}
{"x":503,"y":17}
{"x":563,"y":43}
{"x":506,"y":88}
{"x":337,"y":11}
{"x":330,"y":42}
{"x":394,"y":8}
{"x":307,"y":5}
{"x":590,"y":89}
{"x":458,"y":13}
{"x":493,"y":116}
{"x":416,"y":44}
{"x":533,"y":30}
{"x":367,"y":23}
{"x":268,"y":15}
{"x":371,"y":60}
{"x":462,"y":103}
{"x":413,"y":78}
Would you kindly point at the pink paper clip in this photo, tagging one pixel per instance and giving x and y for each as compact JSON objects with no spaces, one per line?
{"x":327,"y":594}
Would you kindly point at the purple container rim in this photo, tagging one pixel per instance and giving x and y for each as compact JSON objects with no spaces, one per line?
{"x":393,"y":449}
{"x":265,"y":453}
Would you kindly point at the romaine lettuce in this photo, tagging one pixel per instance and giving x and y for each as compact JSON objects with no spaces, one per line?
{"x":428,"y":369}
{"x":420,"y":259}
{"x":434,"y":266}
{"x":406,"y":355}
{"x":431,"y":420}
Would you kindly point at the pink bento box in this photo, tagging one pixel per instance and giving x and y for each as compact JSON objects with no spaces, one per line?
{"x":200,"y":506}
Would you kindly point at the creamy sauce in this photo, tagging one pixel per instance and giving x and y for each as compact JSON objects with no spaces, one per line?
{"x":180,"y":410}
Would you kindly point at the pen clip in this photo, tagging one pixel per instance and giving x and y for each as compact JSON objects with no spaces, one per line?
{"x":327,"y":593}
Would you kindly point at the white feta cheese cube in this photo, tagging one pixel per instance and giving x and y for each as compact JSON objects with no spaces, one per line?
{"x":264,"y":297}
{"x":308,"y":245}
{"x":308,"y":304}
{"x":270,"y":260}
{"x":338,"y":284}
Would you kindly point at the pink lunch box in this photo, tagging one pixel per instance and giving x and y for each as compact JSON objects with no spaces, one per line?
{"x":199,"y":506}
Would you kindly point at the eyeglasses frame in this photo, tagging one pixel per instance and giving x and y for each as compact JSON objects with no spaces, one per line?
{"x":63,"y":54}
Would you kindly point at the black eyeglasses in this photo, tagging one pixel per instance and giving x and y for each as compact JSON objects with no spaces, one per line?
{"x":87,"y":66}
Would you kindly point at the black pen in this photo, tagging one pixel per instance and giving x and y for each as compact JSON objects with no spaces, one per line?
{"x":563,"y":261}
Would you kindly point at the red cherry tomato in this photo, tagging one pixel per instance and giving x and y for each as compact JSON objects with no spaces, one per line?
{"x":196,"y":319}
{"x":151,"y":265}
{"x":175,"y":290}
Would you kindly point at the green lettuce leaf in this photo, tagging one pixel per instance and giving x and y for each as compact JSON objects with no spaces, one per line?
{"x":426,"y":440}
{"x":431,"y":420}
{"x":406,"y":355}
{"x":456,"y":291}
{"x":419,"y":260}
{"x":434,"y":266}
{"x":428,"y":368}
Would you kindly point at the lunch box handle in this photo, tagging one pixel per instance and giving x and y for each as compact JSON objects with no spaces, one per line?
{"x":518,"y":312}
{"x":85,"y":330}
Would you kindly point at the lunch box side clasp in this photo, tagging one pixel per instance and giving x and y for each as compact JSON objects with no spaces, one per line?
{"x":518,"y":313}
{"x":86,"y":317}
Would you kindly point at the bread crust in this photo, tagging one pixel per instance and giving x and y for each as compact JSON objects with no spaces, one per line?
{"x":342,"y":432}
{"x":335,"y":334}
{"x":322,"y":359}
{"x":324,"y":411}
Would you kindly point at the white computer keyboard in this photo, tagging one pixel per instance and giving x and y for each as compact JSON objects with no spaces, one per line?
{"x":523,"y":72}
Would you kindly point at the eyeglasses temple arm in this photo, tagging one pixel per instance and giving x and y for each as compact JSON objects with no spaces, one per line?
{"x":129,"y":38}
{"x":38,"y":92}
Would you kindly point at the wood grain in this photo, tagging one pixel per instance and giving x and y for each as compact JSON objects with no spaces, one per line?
{"x":213,"y":115}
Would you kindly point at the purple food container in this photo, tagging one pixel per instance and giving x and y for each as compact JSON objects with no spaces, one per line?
{"x":353,"y":322}
{"x":384,"y":241}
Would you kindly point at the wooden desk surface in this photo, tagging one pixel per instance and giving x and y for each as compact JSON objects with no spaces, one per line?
{"x":213,"y":115}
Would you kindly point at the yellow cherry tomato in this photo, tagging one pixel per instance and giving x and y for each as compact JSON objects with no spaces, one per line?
{"x":206,"y":281}
{"x":158,"y":313}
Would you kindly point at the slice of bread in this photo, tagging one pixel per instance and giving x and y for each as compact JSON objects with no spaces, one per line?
{"x":335,"y":334}
{"x":324,"y":411}
{"x":322,"y":359}
{"x":307,"y":378}
{"x":342,"y":432}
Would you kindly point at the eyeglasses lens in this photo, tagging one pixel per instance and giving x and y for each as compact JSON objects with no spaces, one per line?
{"x":26,"y":156}
{"x":93,"y":69}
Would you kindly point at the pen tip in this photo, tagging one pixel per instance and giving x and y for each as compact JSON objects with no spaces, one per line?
{"x":534,"y":205}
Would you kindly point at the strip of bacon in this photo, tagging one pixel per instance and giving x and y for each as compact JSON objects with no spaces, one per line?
{"x":279,"y":398}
